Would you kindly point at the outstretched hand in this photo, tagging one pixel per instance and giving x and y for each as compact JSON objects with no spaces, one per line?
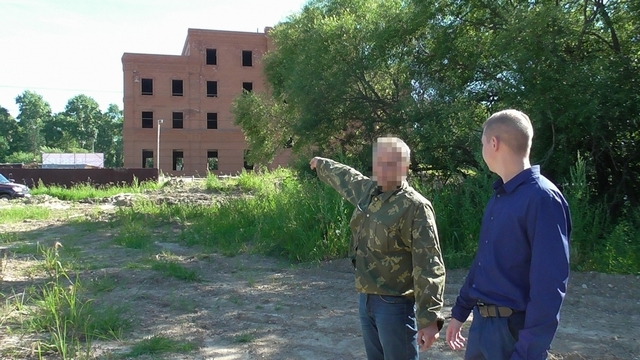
{"x":455,"y":340}
{"x":313,"y":163}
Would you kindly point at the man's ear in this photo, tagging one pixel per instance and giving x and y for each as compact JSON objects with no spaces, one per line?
{"x":495,"y":143}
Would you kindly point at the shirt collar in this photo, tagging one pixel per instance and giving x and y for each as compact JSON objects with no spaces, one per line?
{"x":385,"y":195}
{"x":512,"y":184}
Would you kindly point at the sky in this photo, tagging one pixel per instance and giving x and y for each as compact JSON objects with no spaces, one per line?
{"x":63,"y":48}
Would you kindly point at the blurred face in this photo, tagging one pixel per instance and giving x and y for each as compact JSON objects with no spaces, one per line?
{"x":389,"y":169}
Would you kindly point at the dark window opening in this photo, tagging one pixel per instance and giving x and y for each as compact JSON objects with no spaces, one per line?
{"x":247,"y":58}
{"x":212,"y":160}
{"x":212,"y":120}
{"x":212,"y":88}
{"x":147,"y":119}
{"x":147,"y":86}
{"x":178,"y":118}
{"x":147,"y":158}
{"x":247,"y":86}
{"x":247,"y":166}
{"x":176,"y":88}
{"x":211,"y":57}
{"x":178,"y":160}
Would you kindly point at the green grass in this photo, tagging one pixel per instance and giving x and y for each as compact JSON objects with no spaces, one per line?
{"x":158,"y":344}
{"x":25,"y":249}
{"x":61,"y":309}
{"x":248,"y":181}
{"x":243,"y":338}
{"x":10,"y":237}
{"x":21,"y":213}
{"x":134,"y":235}
{"x":175,"y":270}
{"x":89,"y":191}
{"x":102,"y":284}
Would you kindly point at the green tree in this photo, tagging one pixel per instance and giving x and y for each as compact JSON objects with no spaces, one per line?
{"x":344,"y":72}
{"x":571,"y":65}
{"x":85,"y":115}
{"x":431,"y":71}
{"x":59,"y":132}
{"x":8,"y":133}
{"x":266,"y":124}
{"x":34,"y":112}
{"x":109,"y":139}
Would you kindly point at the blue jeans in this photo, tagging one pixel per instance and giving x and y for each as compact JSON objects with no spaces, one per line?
{"x":493,"y":338}
{"x":388,"y":327}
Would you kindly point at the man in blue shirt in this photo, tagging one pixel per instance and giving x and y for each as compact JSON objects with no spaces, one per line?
{"x":518,"y":279}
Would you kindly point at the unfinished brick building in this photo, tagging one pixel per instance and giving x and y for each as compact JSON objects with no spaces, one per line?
{"x":190,"y":95}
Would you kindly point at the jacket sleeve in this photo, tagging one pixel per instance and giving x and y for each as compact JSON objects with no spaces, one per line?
{"x":465,"y":303}
{"x":345,"y":180}
{"x":428,"y":267}
{"x":549,"y":274}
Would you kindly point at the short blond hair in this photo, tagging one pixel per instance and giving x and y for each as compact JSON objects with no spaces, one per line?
{"x":513,"y":128}
{"x":396,"y":145}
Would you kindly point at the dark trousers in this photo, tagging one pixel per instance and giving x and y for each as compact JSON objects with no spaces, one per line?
{"x":389,"y":328}
{"x":493,"y":338}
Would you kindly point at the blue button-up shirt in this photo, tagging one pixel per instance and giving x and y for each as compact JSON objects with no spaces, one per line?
{"x":523,"y":258}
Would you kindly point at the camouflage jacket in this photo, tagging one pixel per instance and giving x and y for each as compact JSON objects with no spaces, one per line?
{"x":394,"y":240}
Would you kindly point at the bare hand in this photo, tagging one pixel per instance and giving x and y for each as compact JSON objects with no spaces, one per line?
{"x":313,"y":162}
{"x":454,"y":335}
{"x":427,"y":336}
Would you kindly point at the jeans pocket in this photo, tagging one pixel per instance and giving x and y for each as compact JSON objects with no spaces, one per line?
{"x":400,"y":300}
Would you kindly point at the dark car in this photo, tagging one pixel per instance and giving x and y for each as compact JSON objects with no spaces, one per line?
{"x":10,"y":190}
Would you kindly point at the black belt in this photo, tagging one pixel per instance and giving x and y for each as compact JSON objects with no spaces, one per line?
{"x":488,"y":310}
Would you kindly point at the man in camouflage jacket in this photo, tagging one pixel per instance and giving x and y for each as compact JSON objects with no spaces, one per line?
{"x":395,"y":249}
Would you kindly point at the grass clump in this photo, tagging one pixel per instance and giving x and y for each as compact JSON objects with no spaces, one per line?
{"x":21,"y":213}
{"x":10,"y":237}
{"x":61,"y":309}
{"x":134,"y":235}
{"x":244,"y":338}
{"x":175,"y":270}
{"x":158,"y":344}
{"x":91,"y":191}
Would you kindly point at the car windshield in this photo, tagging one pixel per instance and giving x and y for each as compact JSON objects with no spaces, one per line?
{"x":3,"y":179}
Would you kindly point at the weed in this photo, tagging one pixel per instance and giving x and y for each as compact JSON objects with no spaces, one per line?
{"x":21,"y":213}
{"x":173,"y":269}
{"x":102,"y":284}
{"x":25,"y":249}
{"x":91,"y":191}
{"x":11,"y":237}
{"x":134,"y":235}
{"x":158,"y":344}
{"x":244,"y":338}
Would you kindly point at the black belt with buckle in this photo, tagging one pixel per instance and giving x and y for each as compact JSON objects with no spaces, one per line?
{"x":488,"y":310}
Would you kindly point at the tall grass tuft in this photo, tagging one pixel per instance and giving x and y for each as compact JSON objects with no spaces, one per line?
{"x":20,"y":213}
{"x":599,"y":242}
{"x":589,"y":219}
{"x":158,"y":344}
{"x":84,"y":191}
{"x":59,"y":308}
{"x":278,"y":213}
{"x":299,"y":219}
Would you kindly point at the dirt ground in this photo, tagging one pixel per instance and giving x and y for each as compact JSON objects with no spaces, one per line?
{"x":253,"y":307}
